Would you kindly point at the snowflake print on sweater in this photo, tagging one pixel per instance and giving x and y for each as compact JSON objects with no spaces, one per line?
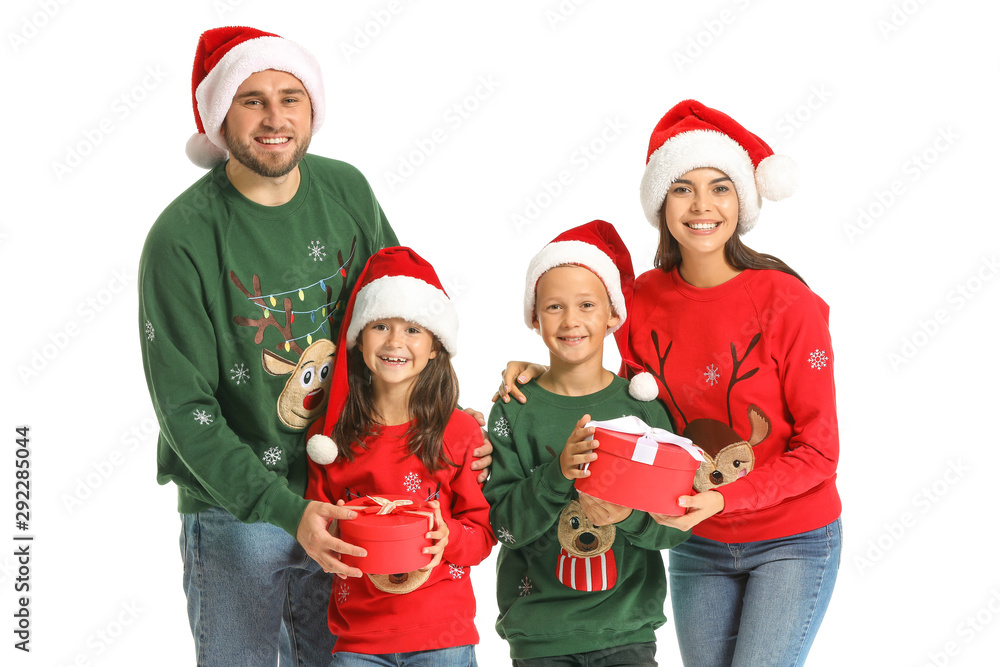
{"x":150,"y":331}
{"x":525,"y":587}
{"x":505,"y":535}
{"x":271,"y":456}
{"x":203,"y":417}
{"x":501,"y":427}
{"x":342,"y":591}
{"x":239,"y":374}
{"x":412,"y":482}
{"x":711,"y":375}
{"x":818,"y":359}
{"x":317,"y":251}
{"x":456,"y":571}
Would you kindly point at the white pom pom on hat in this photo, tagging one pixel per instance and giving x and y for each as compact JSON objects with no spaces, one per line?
{"x":643,"y":387}
{"x":692,"y":136}
{"x":322,"y":449}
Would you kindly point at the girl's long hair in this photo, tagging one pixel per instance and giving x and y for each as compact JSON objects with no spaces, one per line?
{"x":738,"y":255}
{"x":433,"y":398}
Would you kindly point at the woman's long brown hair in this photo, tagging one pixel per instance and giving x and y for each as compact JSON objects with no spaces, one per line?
{"x":433,"y":398}
{"x":738,"y":255}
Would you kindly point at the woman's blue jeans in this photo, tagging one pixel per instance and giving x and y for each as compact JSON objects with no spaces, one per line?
{"x":752,"y":604}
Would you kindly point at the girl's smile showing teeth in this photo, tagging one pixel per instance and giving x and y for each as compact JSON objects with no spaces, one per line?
{"x":395,"y":361}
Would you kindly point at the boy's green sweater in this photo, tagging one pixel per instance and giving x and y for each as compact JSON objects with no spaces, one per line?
{"x":539,"y":615}
{"x":237,"y":306}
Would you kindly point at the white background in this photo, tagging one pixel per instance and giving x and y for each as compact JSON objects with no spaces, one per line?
{"x":855,"y":91}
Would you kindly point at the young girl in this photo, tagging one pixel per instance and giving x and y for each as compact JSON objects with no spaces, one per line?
{"x":392,"y":429}
{"x":738,"y":349}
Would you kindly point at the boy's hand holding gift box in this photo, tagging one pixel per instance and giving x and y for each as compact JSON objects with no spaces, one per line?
{"x":641,"y":467}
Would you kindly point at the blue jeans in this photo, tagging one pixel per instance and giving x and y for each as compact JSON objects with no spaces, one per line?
{"x":456,"y":656}
{"x":253,"y":594}
{"x":752,"y":604}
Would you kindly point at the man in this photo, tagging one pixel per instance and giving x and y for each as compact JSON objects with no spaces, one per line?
{"x":243,"y":280}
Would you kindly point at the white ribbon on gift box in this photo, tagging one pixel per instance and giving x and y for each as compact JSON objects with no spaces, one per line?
{"x":649,"y":438}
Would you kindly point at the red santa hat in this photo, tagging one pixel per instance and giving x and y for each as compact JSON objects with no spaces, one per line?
{"x":223,"y":61}
{"x":396,"y":282}
{"x":691,"y":136}
{"x":598,"y":247}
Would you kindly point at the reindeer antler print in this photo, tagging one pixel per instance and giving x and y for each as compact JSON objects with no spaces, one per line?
{"x":433,"y":495}
{"x":661,"y":376}
{"x":733,"y":379}
{"x":266,"y":320}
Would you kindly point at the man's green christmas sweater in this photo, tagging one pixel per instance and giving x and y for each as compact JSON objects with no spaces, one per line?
{"x":551,"y":601}
{"x":238,"y":303}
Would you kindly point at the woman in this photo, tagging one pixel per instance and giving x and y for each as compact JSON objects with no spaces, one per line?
{"x":738,"y":348}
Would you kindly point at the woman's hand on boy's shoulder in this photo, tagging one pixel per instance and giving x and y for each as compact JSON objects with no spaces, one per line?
{"x":517,"y":372}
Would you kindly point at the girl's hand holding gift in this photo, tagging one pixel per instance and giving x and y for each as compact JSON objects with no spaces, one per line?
{"x":439,"y":535}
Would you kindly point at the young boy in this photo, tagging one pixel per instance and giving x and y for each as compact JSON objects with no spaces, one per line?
{"x":565,"y":587}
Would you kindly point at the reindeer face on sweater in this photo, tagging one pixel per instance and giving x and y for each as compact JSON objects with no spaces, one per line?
{"x":404,"y":582}
{"x":586,"y":561}
{"x":728,"y":456}
{"x":580,"y":537}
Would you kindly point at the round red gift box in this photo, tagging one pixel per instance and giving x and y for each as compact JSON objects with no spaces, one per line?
{"x":395,"y":542}
{"x":649,"y":487}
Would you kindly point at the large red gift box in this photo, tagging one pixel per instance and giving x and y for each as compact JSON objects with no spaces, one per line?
{"x":641,"y":467}
{"x":391,"y":528}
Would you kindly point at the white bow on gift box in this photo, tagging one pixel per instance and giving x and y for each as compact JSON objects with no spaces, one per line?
{"x":649,"y":439}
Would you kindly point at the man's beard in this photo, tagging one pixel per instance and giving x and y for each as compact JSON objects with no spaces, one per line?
{"x":244,"y":154}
